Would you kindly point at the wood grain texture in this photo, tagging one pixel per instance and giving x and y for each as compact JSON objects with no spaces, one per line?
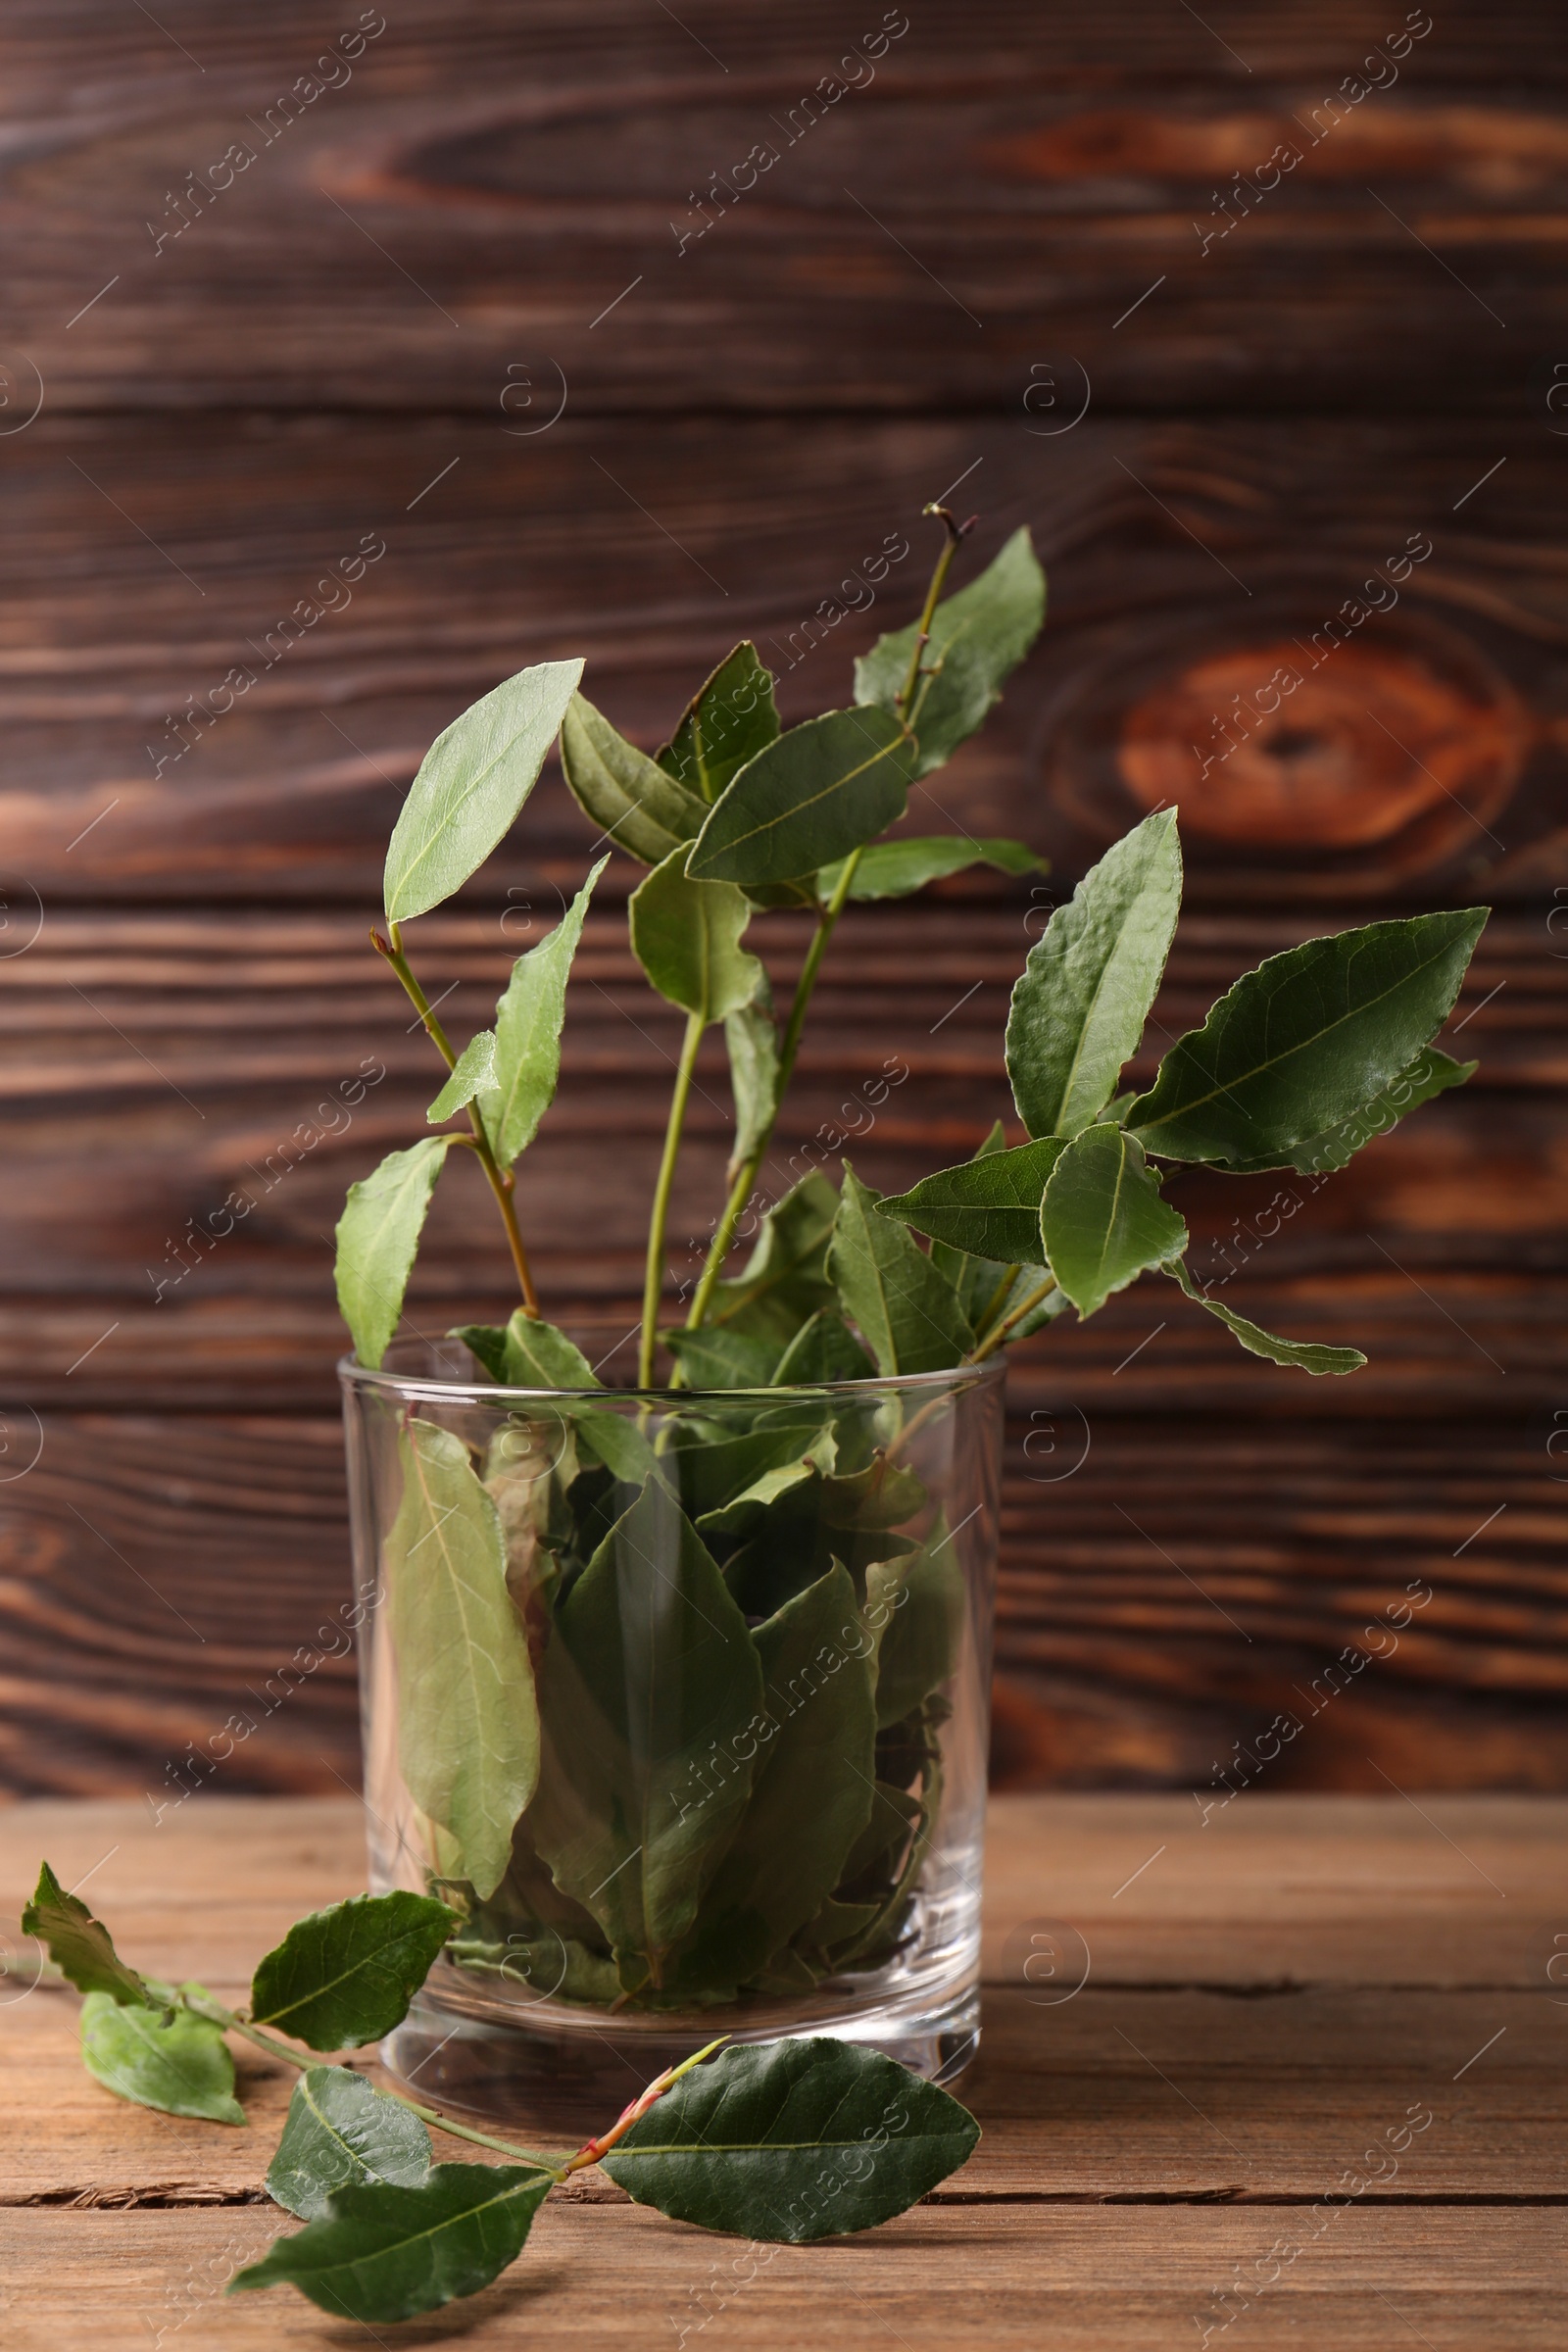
{"x":294,"y":495}
{"x":1263,"y":1998}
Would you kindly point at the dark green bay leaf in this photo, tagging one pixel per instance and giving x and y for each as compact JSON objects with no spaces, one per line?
{"x":529,"y":1018}
{"x":687,"y":937}
{"x":987,"y":1207}
{"x":893,"y":869}
{"x":471,"y":783}
{"x":1103,"y":1219}
{"x":752,"y":1039}
{"x":715,"y":1470}
{"x":811,"y":1791}
{"x":823,"y":1349}
{"x":473,"y":1070}
{"x":79,"y":1945}
{"x":815,"y":794}
{"x":796,"y":1542}
{"x":1304,"y":1042}
{"x":793,"y":2140}
{"x":978,"y":1281}
{"x":340,"y":2133}
{"x":977,"y":636}
{"x":648,"y":1677}
{"x":346,"y":1975}
{"x":381,"y":2253}
{"x":1079,"y":1008}
{"x":904,"y":1307}
{"x":158,"y":2058}
{"x":727,"y":721}
{"x":629,"y":796}
{"x":1431,"y":1074}
{"x":535,"y":1354}
{"x":785,"y":1280}
{"x":713,"y":1358}
{"x":1298,"y":1355}
{"x":918,"y":1608}
{"x":378,"y":1238}
{"x":467,"y":1719}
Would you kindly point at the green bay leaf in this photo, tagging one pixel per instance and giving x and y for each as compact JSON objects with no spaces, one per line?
{"x":467,"y":1719}
{"x":977,"y":636}
{"x":381,"y":2253}
{"x":471,"y":786}
{"x":816,"y":793}
{"x":728,"y":720}
{"x":793,"y":2140}
{"x":1431,"y":1074}
{"x":687,"y":937}
{"x":1298,"y":1355}
{"x":627,"y":797}
{"x":1303,"y":1043}
{"x":340,"y":2133}
{"x":473,"y":1070}
{"x":158,"y":2058}
{"x":893,"y":869}
{"x":345,"y":1975}
{"x":1079,"y":1008}
{"x":378,"y":1240}
{"x":79,"y":1945}
{"x":785,"y":1280}
{"x":529,"y":1019}
{"x":904,"y":1306}
{"x":1104,"y":1220}
{"x":988,"y":1208}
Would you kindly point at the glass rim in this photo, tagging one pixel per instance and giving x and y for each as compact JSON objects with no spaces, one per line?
{"x":430,"y":1387}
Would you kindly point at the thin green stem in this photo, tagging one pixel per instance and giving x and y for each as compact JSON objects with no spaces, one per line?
{"x":653,"y":1277}
{"x":923,"y":636}
{"x":500,"y":1180}
{"x":993,"y":1339}
{"x":215,"y":2014}
{"x":995,"y":1302}
{"x":740,"y":1190}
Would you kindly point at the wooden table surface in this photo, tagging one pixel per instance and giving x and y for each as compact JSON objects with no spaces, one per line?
{"x":1270,"y":1994}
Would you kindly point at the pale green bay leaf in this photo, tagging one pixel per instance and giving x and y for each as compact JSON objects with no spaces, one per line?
{"x":751,"y":1036}
{"x":381,"y":2253}
{"x":172,"y":2061}
{"x":529,"y":1019}
{"x":378,"y":1238}
{"x":1303,"y":1043}
{"x":1079,"y":1008}
{"x":687,"y":937}
{"x":345,"y":1975}
{"x":977,"y":636}
{"x":471,"y":786}
{"x":1298,"y":1355}
{"x":628,"y":795}
{"x":1431,"y":1074}
{"x":811,"y":1791}
{"x":729,"y":719}
{"x":823,"y":1351}
{"x":785,"y":1280}
{"x":79,"y":1945}
{"x":988,"y":1208}
{"x":473,"y":1070}
{"x":893,"y":869}
{"x":713,"y":1358}
{"x":904,"y":1307}
{"x":793,"y":2140}
{"x":648,"y":1672}
{"x":816,"y":793}
{"x":1104,"y":1220}
{"x":340,"y":2133}
{"x":467,"y":1719}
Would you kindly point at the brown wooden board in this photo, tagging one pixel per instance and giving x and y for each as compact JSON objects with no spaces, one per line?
{"x":430,"y":389}
{"x":1191,"y":2034}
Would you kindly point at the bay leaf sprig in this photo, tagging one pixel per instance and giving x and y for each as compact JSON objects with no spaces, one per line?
{"x":785,"y":2142}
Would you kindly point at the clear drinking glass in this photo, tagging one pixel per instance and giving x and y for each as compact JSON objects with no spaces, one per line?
{"x":680,"y":1698}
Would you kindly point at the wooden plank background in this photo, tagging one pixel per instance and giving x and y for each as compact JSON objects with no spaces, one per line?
{"x":985,"y":266}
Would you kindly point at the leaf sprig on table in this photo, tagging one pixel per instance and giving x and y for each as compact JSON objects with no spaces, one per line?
{"x":786,"y":2140}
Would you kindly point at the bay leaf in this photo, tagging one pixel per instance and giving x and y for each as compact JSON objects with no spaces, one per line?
{"x":904,"y":1307}
{"x":893,"y":869}
{"x":339,"y":2132}
{"x":1104,"y":1220}
{"x":382,"y":2252}
{"x":986,"y":1208}
{"x":79,"y":1945}
{"x":978,"y":635}
{"x":686,"y":935}
{"x":378,"y":1238}
{"x":1300,"y":1355}
{"x":529,"y":1018}
{"x":729,"y":719}
{"x":823,"y":789}
{"x":159,"y":2058}
{"x":628,"y":795}
{"x":345,"y":1975}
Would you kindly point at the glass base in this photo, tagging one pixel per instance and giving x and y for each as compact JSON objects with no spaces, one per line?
{"x":561,"y":2075}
